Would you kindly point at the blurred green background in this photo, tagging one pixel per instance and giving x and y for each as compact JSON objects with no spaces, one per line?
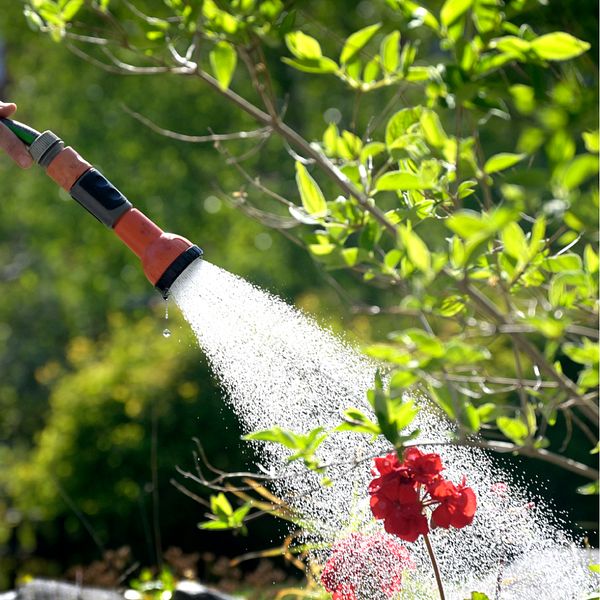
{"x":85,"y":373}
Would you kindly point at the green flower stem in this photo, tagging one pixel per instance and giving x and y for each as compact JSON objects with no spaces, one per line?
{"x":436,"y":570}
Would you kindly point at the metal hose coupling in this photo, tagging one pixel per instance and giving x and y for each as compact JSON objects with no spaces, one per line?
{"x":164,"y":256}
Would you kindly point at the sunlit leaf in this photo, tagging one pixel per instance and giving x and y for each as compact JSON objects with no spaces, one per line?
{"x":585,"y":354}
{"x":563,"y":262}
{"x":400,"y":122}
{"x":303,"y":46}
{"x":559,"y":46}
{"x":514,"y":241}
{"x":390,"y":52}
{"x":580,"y":169}
{"x":432,"y":128}
{"x":514,"y":429}
{"x":416,"y":249}
{"x":223,"y":60}
{"x":71,"y":8}
{"x":321,"y":65}
{"x":591,"y":141}
{"x":357,"y":41}
{"x":502,"y":161}
{"x":220,"y":505}
{"x":400,"y":180}
{"x":312,"y":197}
{"x":452,"y":10}
{"x":590,"y":489}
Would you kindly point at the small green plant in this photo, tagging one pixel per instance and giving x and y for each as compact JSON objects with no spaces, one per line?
{"x":154,"y":586}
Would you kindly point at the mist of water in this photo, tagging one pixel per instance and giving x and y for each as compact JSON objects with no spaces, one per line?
{"x":276,"y":366}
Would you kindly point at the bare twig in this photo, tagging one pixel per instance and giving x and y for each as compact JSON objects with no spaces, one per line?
{"x":263,"y":132}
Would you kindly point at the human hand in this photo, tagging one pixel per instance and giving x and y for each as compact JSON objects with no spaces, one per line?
{"x":9,"y":142}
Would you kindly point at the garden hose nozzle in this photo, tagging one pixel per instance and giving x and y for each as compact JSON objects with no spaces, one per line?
{"x":164,"y":256}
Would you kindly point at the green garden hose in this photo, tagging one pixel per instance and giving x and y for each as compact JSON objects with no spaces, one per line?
{"x":25,"y":133}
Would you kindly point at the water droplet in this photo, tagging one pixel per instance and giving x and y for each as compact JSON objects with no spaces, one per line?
{"x":167,"y":308}
{"x":166,"y":333}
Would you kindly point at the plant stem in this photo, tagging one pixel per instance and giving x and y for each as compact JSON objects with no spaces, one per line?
{"x":436,"y":570}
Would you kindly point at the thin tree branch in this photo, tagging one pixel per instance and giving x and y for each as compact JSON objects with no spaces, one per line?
{"x":263,"y":132}
{"x":296,"y":140}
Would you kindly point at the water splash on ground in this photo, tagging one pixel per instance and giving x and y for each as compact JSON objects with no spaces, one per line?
{"x":278,"y":367}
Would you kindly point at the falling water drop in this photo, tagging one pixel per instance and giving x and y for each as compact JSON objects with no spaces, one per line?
{"x":166,"y":330}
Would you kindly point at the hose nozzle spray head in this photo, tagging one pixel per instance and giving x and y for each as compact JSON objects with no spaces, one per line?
{"x":164,"y":255}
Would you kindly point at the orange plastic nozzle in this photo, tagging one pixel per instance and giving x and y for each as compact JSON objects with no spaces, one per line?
{"x":164,"y":255}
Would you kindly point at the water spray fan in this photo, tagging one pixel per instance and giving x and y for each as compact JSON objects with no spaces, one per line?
{"x":164,"y":256}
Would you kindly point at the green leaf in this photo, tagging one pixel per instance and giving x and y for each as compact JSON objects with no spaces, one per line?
{"x":596,"y":567}
{"x":478,"y":596}
{"x":392,"y":258}
{"x":502,"y":161}
{"x":588,"y":378}
{"x":71,"y":9}
{"x":223,"y":60}
{"x":400,"y":181}
{"x":514,"y":429}
{"x":303,"y":46}
{"x":421,"y":341}
{"x":155,"y":35}
{"x":312,"y":197}
{"x":514,"y":241}
{"x":524,"y":98}
{"x":355,"y":420}
{"x":220,"y":506}
{"x":486,"y":15}
{"x":511,"y":45}
{"x":461,"y":353}
{"x":452,"y":10}
{"x":275,"y":434}
{"x":563,"y":262}
{"x":466,"y":223}
{"x":320,"y":65}
{"x":214,"y":525}
{"x":237,"y":519}
{"x":586,"y":354}
{"x":432,"y":129}
{"x":419,"y":14}
{"x":400,"y":122}
{"x":353,"y":143}
{"x":402,"y":379}
{"x":452,"y":305}
{"x":390,"y":52}
{"x":589,"y":489}
{"x":559,"y":46}
{"x":372,"y":69}
{"x":470,"y":417}
{"x":371,"y":149}
{"x":330,"y":139}
{"x":591,"y":139}
{"x":416,"y":249}
{"x":590,"y":259}
{"x":357,"y":41}
{"x":577,"y":171}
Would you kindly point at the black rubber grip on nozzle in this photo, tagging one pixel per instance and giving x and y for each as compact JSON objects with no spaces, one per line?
{"x":177,"y":267}
{"x":100,"y":197}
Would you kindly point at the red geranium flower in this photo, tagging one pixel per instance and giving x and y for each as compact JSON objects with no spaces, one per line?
{"x":401,"y":491}
{"x":457,"y":505}
{"x":363,"y":565}
{"x":425,"y":468}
